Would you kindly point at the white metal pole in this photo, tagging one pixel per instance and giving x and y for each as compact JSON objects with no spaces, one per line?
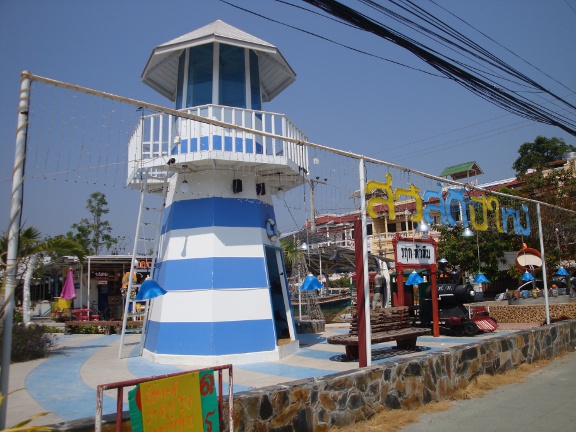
{"x":81,"y":284}
{"x":365,"y":265}
{"x":88,"y":292}
{"x":13,"y":233}
{"x":547,"y":306}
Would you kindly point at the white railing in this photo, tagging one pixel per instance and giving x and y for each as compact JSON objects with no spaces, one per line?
{"x":160,"y":136}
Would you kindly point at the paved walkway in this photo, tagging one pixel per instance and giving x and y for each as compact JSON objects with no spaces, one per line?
{"x":544,"y":401}
{"x":64,"y":384}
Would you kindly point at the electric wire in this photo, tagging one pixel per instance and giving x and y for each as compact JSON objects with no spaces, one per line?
{"x":496,"y":95}
{"x":332,"y":41}
{"x":503,"y":47}
{"x":522,"y":107}
{"x":570,"y":6}
{"x":417,"y":141}
{"x":428,"y":17}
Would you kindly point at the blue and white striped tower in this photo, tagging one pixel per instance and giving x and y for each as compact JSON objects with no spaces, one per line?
{"x":219,"y":256}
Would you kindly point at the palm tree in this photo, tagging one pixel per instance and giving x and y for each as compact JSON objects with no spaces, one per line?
{"x":290,"y":251}
{"x":31,"y":246}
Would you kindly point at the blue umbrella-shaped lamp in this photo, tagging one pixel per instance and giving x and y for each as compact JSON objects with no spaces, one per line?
{"x":480,"y":278}
{"x":527,"y":276}
{"x":562,"y":272}
{"x":414,"y":279}
{"x":310,"y":283}
{"x":149,"y":289}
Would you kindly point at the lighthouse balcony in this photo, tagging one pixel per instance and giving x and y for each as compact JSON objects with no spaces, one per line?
{"x":177,"y":142}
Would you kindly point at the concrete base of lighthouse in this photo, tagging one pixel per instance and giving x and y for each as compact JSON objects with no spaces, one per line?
{"x":280,"y":352}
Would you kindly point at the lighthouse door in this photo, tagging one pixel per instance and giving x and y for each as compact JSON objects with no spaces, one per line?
{"x":283,"y":321}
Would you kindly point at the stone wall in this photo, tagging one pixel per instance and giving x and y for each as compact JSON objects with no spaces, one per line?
{"x":526,"y":313}
{"x":317,"y":404}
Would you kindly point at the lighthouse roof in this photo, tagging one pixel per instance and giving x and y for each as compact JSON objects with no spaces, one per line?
{"x":161,"y":71}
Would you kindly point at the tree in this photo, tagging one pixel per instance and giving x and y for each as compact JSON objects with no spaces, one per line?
{"x":94,"y":233}
{"x":462,"y":252}
{"x":30,"y":249}
{"x":553,"y":186}
{"x":540,"y":153}
{"x":290,"y":252}
{"x":556,"y":187}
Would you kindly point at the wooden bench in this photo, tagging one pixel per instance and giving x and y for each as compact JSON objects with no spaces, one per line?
{"x":107,"y":324}
{"x":386,"y":324}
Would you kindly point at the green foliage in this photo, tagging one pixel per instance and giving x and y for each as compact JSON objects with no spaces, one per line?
{"x":513,"y":272}
{"x":30,"y":342}
{"x":88,"y":329}
{"x":556,"y":187}
{"x":462,"y":252}
{"x":540,"y":153}
{"x":343,"y":282}
{"x":290,"y":252}
{"x":17,"y":317}
{"x":94,"y":233}
{"x":30,"y":243}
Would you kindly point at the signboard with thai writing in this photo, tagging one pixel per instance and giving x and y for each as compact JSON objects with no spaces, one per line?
{"x":415,"y":253}
{"x":102,"y":274}
{"x":473,"y":210}
{"x":180,"y":403}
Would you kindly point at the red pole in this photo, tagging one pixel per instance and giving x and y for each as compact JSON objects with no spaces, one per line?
{"x":119,"y":401}
{"x":435,"y":313}
{"x":400,"y":284}
{"x":360,"y":306}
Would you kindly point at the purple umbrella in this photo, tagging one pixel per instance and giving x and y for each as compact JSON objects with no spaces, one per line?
{"x":68,"y":291}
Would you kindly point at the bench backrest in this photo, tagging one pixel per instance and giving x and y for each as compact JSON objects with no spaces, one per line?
{"x":385,"y":319}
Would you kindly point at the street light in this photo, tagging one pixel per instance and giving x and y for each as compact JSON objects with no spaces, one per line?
{"x":479,"y":278}
{"x":423,"y":227}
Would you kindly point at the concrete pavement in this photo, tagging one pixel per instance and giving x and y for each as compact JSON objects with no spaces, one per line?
{"x":64,"y":384}
{"x":544,"y":401}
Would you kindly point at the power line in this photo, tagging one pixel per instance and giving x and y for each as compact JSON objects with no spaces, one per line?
{"x":330,"y":40}
{"x":570,"y":6}
{"x":498,"y":95}
{"x":502,"y":46}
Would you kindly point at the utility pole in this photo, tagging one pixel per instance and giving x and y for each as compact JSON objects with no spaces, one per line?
{"x":313,"y":183}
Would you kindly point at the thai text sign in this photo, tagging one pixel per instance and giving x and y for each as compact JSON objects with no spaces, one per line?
{"x":414,"y":252}
{"x":473,"y":209}
{"x":180,"y":403}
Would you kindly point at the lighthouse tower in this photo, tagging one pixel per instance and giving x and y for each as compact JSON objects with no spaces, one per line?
{"x":219,"y":256}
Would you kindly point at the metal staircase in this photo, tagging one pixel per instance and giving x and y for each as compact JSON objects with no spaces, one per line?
{"x":144,"y":254}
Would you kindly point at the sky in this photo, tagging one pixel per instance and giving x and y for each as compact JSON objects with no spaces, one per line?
{"x":341,"y":98}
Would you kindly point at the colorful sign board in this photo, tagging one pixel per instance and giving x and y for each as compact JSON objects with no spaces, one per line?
{"x":186,"y":402}
{"x":473,"y":209}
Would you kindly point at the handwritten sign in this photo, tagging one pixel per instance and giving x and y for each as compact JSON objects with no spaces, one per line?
{"x":181,"y":403}
{"x":415,"y":253}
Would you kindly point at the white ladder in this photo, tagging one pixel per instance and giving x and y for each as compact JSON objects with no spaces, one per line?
{"x":148,"y":228}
